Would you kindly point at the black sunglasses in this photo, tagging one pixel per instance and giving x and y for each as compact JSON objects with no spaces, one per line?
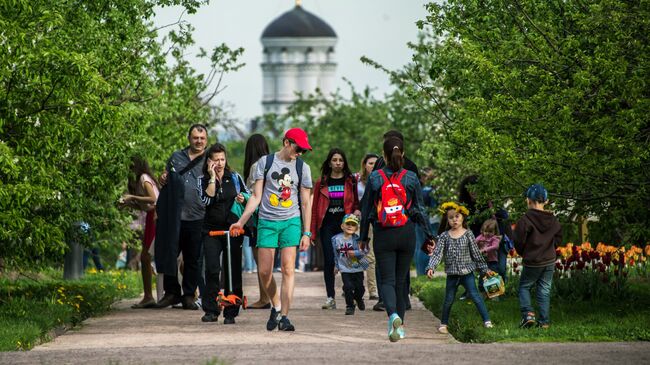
{"x":298,"y":148}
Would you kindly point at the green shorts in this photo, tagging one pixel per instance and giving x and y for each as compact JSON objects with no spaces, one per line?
{"x":279,"y":234}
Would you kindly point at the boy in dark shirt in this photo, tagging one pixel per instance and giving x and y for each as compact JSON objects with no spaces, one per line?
{"x":536,"y":235}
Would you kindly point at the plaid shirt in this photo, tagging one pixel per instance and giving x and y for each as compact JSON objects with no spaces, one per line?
{"x":462,"y":255}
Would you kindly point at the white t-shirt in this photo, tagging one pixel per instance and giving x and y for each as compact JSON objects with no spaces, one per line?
{"x":280,"y":195}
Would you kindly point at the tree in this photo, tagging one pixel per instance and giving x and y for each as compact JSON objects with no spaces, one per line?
{"x":356,"y":125}
{"x":542,"y":91}
{"x":83,"y":86}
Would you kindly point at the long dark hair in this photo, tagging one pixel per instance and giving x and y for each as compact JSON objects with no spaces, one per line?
{"x":215,"y":148}
{"x":464,"y":195}
{"x":256,"y":147}
{"x":138,"y":167}
{"x":393,"y":150}
{"x":326,"y":169}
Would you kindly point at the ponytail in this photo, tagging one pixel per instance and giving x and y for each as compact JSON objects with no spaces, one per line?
{"x":393,"y":151}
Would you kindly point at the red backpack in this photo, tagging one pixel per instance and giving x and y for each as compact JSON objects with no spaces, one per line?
{"x":392,"y":209}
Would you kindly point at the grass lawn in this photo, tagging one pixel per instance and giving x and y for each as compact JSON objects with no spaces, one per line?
{"x":604,"y":320}
{"x":31,"y":308}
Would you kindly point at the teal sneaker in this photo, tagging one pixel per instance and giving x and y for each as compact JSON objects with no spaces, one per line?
{"x":394,"y":322}
{"x":400,"y":332}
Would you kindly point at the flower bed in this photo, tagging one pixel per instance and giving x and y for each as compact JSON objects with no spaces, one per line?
{"x":583,"y":272}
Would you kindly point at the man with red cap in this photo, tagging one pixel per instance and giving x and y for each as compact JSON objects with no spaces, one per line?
{"x":282,"y":191}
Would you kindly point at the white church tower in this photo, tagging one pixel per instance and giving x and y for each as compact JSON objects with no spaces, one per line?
{"x":298,"y":58}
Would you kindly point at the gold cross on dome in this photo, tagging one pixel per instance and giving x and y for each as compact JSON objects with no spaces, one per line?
{"x":298,"y":2}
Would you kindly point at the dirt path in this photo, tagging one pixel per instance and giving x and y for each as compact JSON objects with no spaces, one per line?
{"x":173,"y":336}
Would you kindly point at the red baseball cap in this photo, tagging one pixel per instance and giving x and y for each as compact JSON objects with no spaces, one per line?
{"x":299,"y":136}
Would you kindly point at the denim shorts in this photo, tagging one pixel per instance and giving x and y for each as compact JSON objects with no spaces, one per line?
{"x":279,"y":234}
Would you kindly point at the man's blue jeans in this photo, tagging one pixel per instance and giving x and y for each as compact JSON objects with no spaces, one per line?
{"x":542,"y":279}
{"x":421,"y":258}
{"x":453,"y":282}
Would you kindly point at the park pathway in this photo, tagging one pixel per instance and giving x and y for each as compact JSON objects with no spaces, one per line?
{"x":173,"y":336}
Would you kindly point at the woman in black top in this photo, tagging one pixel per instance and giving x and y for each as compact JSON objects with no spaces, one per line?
{"x":220,"y":188}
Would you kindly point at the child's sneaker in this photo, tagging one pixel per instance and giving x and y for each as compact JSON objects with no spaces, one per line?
{"x":349,"y":311}
{"x":394,"y":322}
{"x":285,"y":325}
{"x":273,"y":321}
{"x":330,"y":303}
{"x":528,"y":320}
{"x":543,"y":326}
{"x":443,"y":329}
{"x":488,"y":324}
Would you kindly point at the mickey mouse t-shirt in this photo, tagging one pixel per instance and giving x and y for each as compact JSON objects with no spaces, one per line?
{"x":280,"y":197}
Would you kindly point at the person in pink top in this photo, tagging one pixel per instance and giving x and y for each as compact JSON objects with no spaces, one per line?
{"x":488,"y":244}
{"x":143,"y":193}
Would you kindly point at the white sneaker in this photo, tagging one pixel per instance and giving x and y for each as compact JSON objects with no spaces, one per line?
{"x":488,"y":324}
{"x":443,"y":329}
{"x":330,"y":303}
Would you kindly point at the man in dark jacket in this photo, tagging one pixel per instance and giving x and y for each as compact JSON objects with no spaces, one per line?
{"x":536,"y":235}
{"x":180,"y":219}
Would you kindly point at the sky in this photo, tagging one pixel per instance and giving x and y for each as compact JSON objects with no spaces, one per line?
{"x":378,"y":29}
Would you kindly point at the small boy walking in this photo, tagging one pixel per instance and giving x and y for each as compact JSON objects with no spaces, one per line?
{"x":351,"y":261}
{"x":536,"y":235}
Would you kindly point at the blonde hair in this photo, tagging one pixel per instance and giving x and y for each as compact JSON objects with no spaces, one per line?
{"x":490,"y":226}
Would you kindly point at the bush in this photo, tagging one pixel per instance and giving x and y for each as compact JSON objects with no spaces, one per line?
{"x":30,"y":309}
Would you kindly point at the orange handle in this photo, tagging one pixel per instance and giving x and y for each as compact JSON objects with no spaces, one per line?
{"x":223,"y":233}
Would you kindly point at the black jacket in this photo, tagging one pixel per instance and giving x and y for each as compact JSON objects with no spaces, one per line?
{"x":536,"y":235}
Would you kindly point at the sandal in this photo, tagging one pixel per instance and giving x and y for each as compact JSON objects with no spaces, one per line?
{"x":263,"y":306}
{"x":144,"y":305}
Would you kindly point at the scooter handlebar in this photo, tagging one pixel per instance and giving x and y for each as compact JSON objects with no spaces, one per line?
{"x":223,"y":233}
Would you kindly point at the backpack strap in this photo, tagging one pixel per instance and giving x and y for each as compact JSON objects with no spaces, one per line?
{"x":267,"y":166}
{"x":192,"y":164}
{"x":299,"y":165}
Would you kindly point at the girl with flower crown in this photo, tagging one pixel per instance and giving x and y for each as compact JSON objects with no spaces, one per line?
{"x":462,"y":257}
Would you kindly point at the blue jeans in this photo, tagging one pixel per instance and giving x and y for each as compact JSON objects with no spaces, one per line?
{"x":502,"y":258}
{"x":542,"y":279}
{"x":249,"y":263}
{"x":421,"y":258}
{"x":453,"y":282}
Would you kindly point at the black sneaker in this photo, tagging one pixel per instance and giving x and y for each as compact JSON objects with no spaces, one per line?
{"x":285,"y":325}
{"x":528,"y":320}
{"x":349,"y":311}
{"x":361,"y":304}
{"x":379,"y":307}
{"x":273,"y":321}
{"x":210,"y":317}
{"x":229,"y":320}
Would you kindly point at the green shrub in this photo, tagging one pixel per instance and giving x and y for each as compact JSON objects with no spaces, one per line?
{"x":30,"y":309}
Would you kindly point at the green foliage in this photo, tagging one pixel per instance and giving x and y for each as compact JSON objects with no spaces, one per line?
{"x":83,"y":86}
{"x":356,"y":125}
{"x":30,"y":309}
{"x":553,"y":92}
{"x":581,"y":321}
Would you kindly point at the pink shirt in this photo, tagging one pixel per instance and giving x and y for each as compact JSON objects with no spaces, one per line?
{"x":489,"y":246}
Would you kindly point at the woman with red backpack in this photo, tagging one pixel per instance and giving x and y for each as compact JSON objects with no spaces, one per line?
{"x":393,"y":204}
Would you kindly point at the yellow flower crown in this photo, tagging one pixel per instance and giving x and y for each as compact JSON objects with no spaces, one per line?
{"x":452,"y":205}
